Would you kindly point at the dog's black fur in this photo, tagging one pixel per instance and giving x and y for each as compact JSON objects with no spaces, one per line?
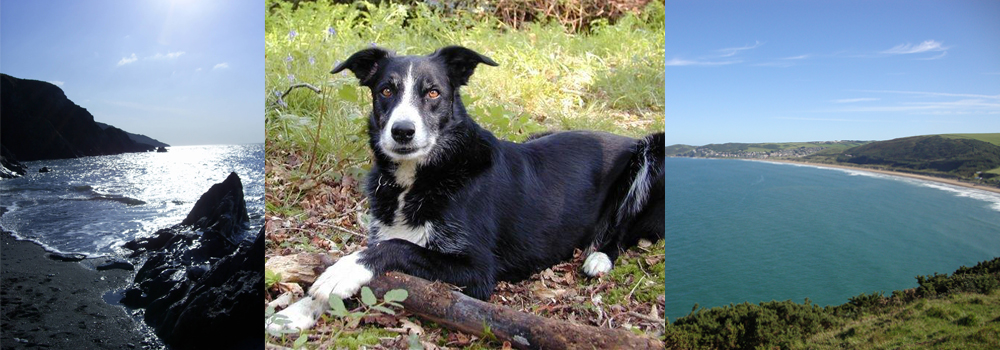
{"x":499,"y":210}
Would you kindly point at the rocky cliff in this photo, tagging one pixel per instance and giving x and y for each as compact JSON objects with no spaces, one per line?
{"x":39,"y":122}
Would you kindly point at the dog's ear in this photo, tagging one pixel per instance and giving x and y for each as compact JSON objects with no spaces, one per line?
{"x":461,"y":62}
{"x":363,"y":63}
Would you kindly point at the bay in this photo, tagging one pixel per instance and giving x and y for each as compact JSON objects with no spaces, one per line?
{"x":744,"y":231}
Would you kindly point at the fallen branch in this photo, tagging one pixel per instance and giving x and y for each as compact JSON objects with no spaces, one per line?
{"x":439,"y":303}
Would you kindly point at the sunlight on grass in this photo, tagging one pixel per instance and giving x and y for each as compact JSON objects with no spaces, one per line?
{"x":549,"y":79}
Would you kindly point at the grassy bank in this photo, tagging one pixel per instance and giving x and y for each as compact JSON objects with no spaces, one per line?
{"x":957,"y":311}
{"x":551,"y":77}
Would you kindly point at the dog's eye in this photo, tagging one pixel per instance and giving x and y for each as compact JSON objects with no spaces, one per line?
{"x":433,"y":94}
{"x":386,"y":92}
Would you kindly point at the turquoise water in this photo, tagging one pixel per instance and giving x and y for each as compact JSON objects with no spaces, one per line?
{"x":741,"y":231}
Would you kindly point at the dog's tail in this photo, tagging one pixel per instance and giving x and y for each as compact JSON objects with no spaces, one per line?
{"x":635,"y":208}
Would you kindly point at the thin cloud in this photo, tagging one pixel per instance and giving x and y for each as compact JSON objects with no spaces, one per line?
{"x":853,"y":100}
{"x":168,"y":56}
{"x":57,"y":82}
{"x":732,"y":51}
{"x":127,"y":60}
{"x":775,"y":64}
{"x":925,"y":93}
{"x":222,"y":65}
{"x":831,"y":119}
{"x":926,"y":46}
{"x":799,"y":57}
{"x":683,"y":62}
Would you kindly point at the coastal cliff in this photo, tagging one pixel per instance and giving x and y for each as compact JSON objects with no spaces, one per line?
{"x":39,"y":122}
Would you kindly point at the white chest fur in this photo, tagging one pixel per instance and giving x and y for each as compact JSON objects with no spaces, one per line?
{"x":418,"y":235}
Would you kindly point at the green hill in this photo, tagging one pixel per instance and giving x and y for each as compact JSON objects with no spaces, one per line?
{"x":991,"y":138}
{"x":765,"y":147}
{"x":961,"y":157}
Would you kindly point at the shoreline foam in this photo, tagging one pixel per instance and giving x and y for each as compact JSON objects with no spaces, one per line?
{"x":885,"y":172}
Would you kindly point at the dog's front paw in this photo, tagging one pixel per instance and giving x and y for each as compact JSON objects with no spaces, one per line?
{"x":299,"y":316}
{"x":597,"y":263}
{"x":343,"y":279}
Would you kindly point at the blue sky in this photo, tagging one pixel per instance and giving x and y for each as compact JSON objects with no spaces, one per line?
{"x":784,"y":71}
{"x":183,"y":72}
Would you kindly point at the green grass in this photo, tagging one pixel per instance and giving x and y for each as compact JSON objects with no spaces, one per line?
{"x":635,"y":278}
{"x":993,"y":138}
{"x":610,"y":78}
{"x":959,"y":321}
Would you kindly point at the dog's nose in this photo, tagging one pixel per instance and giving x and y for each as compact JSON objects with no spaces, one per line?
{"x":402,"y":131}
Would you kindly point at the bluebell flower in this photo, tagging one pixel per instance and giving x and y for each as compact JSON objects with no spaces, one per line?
{"x":289,"y":58}
{"x":282,"y":103}
{"x":312,"y":60}
{"x":291,"y":78}
{"x":277,"y":93}
{"x":372,"y":44}
{"x":292,"y":34}
{"x":331,"y":31}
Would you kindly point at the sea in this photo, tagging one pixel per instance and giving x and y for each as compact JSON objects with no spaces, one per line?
{"x":748,"y":231}
{"x":93,"y":205}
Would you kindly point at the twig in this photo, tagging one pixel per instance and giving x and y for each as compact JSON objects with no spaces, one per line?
{"x":340,"y":229}
{"x":644,"y":317}
{"x":300,"y":85}
{"x":636,"y":286}
{"x":319,"y":127}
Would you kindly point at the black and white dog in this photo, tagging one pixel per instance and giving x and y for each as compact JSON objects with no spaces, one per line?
{"x":451,"y":202}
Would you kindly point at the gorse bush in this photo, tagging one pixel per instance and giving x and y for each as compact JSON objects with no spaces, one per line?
{"x":787,"y":324}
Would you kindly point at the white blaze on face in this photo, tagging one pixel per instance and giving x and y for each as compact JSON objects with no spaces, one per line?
{"x":408,"y":109}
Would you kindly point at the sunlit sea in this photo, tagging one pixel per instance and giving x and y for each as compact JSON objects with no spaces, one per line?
{"x":743,"y":231}
{"x":93,"y":205}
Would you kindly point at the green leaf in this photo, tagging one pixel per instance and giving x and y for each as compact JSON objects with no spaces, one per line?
{"x":348,"y":93}
{"x":368,"y":297}
{"x":337,"y":306}
{"x":300,"y":341}
{"x":384,"y":309}
{"x":393,"y":303}
{"x":396,"y":295}
{"x":414,"y":341}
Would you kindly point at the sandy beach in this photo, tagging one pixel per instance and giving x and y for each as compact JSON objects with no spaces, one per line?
{"x":52,"y":304}
{"x":886,"y":172}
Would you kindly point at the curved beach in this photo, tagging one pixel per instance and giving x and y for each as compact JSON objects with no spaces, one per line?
{"x":886,"y":172}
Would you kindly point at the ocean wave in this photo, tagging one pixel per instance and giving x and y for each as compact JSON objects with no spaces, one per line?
{"x":117,"y":198}
{"x":992,"y":198}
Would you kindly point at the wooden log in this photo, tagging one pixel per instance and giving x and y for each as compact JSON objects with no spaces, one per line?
{"x":437,"y":302}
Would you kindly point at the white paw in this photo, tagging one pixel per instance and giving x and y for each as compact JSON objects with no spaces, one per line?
{"x":596,"y":264}
{"x":343,"y":279}
{"x":299,"y":316}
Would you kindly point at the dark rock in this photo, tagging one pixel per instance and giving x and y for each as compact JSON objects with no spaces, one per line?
{"x":39,"y":122}
{"x":116,"y":264}
{"x":44,"y":170}
{"x":9,"y":166}
{"x":161,"y":149}
{"x":66,"y":257}
{"x":202,"y":283}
